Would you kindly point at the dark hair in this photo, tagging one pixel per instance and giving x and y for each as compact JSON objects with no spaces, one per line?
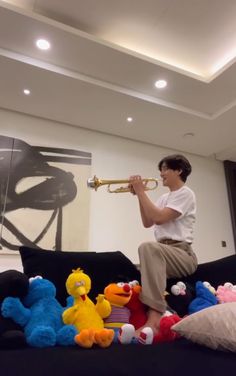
{"x":177,"y":162}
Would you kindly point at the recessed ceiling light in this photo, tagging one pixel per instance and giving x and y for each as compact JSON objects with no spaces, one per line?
{"x":160,"y":84}
{"x":26,"y":91}
{"x":43,"y":44}
{"x":129,"y":119}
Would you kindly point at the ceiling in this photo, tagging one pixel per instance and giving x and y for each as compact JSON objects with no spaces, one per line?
{"x":105,"y":57}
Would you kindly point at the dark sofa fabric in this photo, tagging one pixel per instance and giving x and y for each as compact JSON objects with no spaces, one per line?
{"x":178,"y":358}
{"x":216,"y":272}
{"x":102,"y":267}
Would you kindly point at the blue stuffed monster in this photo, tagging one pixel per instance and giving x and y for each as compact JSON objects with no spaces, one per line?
{"x":204,"y":298}
{"x":40,"y":315}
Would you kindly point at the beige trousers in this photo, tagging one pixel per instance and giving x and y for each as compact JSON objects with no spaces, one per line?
{"x":160,"y":261}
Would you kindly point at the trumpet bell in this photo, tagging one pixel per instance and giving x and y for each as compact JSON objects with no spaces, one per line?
{"x":95,"y":183}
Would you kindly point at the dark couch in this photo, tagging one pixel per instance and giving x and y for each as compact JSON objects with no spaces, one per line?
{"x":178,"y":358}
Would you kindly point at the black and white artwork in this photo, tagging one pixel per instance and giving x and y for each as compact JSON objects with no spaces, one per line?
{"x":44,"y":200}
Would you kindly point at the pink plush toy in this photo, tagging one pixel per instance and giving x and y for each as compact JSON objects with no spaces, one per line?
{"x":226,"y":293}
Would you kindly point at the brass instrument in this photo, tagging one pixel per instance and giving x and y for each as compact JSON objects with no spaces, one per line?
{"x":95,"y":183}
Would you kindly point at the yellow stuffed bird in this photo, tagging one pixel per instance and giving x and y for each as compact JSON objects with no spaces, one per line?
{"x":84,"y":314}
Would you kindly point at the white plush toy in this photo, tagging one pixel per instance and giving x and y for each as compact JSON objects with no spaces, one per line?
{"x":179,"y":288}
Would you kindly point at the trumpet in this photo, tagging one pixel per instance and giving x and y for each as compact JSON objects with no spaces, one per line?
{"x":95,"y":183}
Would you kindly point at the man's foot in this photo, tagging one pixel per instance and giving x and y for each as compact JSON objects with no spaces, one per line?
{"x":153,"y":322}
{"x":146,"y":336}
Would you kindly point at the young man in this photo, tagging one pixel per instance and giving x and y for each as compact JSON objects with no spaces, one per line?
{"x":173,"y":217}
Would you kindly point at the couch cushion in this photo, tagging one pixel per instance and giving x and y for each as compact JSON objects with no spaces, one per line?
{"x":213,"y":327}
{"x":102,"y":267}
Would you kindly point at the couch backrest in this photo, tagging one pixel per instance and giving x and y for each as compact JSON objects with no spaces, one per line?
{"x":216,"y":272}
{"x":102,"y":267}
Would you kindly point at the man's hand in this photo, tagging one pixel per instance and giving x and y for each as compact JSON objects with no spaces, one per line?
{"x":136,"y":184}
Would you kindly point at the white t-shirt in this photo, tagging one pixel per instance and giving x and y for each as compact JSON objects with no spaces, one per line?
{"x":183,"y":201}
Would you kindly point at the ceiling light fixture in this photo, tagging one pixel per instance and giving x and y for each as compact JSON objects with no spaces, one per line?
{"x":43,"y":44}
{"x":129,"y":119}
{"x":160,"y":84}
{"x":26,"y":91}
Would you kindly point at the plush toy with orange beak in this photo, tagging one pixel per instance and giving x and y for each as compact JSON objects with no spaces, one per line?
{"x":84,"y":314}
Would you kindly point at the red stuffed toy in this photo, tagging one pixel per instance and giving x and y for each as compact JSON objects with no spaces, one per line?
{"x":165,"y":334}
{"x":138,"y":310}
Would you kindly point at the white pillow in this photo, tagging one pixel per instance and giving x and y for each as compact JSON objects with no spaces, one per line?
{"x":214,"y":327}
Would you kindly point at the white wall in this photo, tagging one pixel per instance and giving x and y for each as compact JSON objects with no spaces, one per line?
{"x":114,"y":218}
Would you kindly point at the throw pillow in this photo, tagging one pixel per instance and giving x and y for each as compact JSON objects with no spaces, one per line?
{"x":213,"y":327}
{"x":102,"y":267}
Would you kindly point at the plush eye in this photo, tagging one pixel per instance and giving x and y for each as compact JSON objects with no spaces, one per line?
{"x":228,"y":285}
{"x":31,"y":279}
{"x":207,"y":284}
{"x":175,"y":290}
{"x":181,"y":285}
{"x":80,"y":283}
{"x":120,"y":284}
{"x":134,"y":283}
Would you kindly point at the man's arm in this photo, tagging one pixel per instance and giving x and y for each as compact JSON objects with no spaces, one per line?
{"x":151,"y":214}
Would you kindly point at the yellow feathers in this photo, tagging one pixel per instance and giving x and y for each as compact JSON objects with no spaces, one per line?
{"x":78,"y":284}
{"x":84,"y":315}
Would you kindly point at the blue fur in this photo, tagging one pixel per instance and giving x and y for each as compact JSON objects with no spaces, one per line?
{"x":204,"y":299}
{"x":40,"y":315}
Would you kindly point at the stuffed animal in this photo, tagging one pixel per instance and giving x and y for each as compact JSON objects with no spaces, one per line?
{"x":138,"y":310}
{"x":12,"y":283}
{"x":40,"y":314}
{"x":179,"y":288}
{"x":84,"y":314}
{"x":179,"y":296}
{"x":165,"y":334}
{"x":210,"y":287}
{"x":204,"y":298}
{"x":119,"y":295}
{"x":226,"y":293}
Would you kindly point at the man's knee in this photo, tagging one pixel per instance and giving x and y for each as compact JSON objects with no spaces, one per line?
{"x":150,"y":248}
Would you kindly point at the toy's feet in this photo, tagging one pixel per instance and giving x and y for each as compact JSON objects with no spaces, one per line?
{"x":85,"y":338}
{"x":146,"y":336}
{"x":42,"y":336}
{"x":104,"y":337}
{"x":66,"y":335}
{"x":126,"y":334}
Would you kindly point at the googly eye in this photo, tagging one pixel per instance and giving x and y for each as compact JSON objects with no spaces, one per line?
{"x":31,"y":279}
{"x":207,"y":284}
{"x":175,"y":290}
{"x":228,"y":285}
{"x":80,"y":283}
{"x":134,"y":283}
{"x":120,"y":284}
{"x":181,"y":285}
